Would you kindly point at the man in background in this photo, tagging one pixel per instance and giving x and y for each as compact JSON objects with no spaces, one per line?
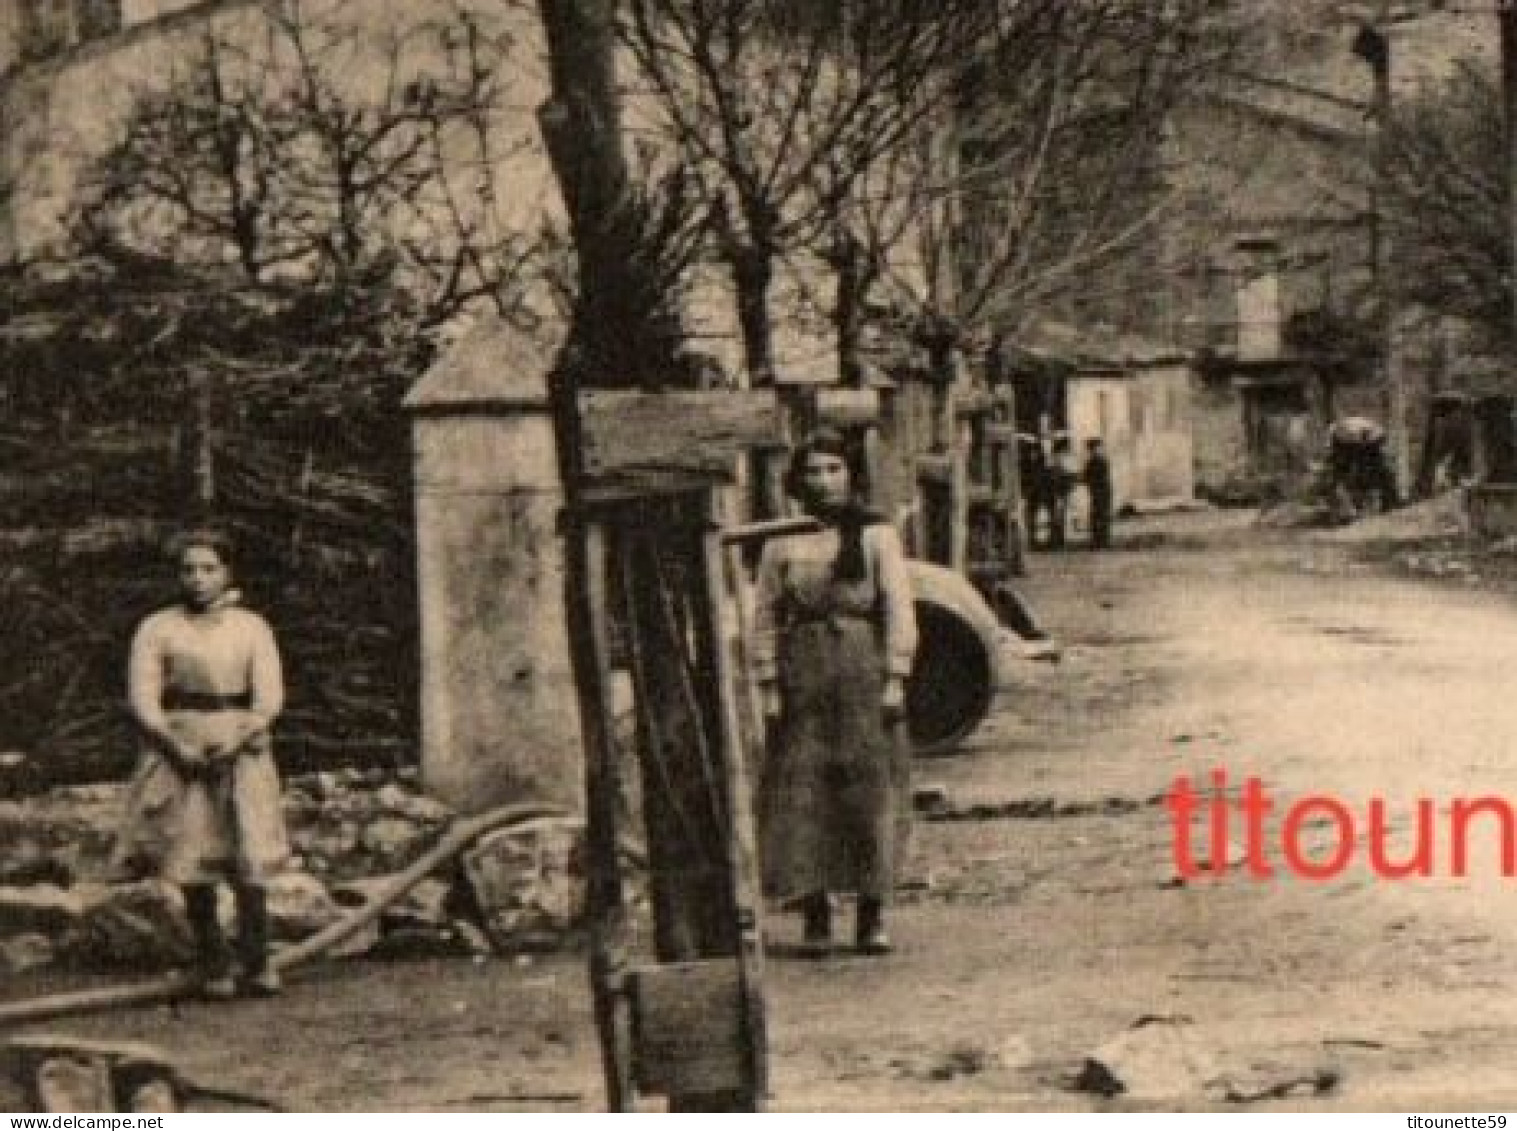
{"x":1097,"y":476}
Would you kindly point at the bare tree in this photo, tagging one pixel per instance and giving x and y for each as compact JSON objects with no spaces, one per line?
{"x":779,"y":107}
{"x":267,"y":151}
{"x":280,"y":234}
{"x":1047,"y":167}
{"x":1446,"y":197}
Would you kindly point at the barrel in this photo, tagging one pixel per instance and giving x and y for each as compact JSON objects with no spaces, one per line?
{"x":953,"y":682}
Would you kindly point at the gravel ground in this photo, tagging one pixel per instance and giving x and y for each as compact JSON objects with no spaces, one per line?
{"x":1054,"y":920}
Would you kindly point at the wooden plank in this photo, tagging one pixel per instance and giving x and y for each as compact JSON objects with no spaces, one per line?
{"x":626,"y":434}
{"x":878,"y":494}
{"x":606,"y":908}
{"x":647,"y":483}
{"x":749,"y":700}
{"x":688,"y":850}
{"x":742,"y":841}
{"x":687,"y":1017}
{"x":844,"y":408}
{"x":935,"y":469}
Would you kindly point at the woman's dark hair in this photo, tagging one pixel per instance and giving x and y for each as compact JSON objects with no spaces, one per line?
{"x":853,"y":516}
{"x":824,"y":441}
{"x":210,"y":538}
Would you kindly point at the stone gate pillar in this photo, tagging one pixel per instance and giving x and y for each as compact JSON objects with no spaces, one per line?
{"x":499,"y":716}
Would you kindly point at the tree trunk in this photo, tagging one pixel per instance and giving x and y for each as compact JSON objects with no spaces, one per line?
{"x":942,"y":347}
{"x":620,"y":330}
{"x":848,"y":311}
{"x":624,"y":332}
{"x":752,"y":278}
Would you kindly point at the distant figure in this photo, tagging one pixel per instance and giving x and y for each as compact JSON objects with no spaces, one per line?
{"x":1097,"y":476}
{"x":1033,"y":472}
{"x":1360,"y":465}
{"x":1058,"y":486}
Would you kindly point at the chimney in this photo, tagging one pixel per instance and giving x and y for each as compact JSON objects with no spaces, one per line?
{"x":1259,"y":318}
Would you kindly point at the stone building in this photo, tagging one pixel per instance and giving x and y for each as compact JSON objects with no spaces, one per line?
{"x":1132,"y":394}
{"x":1268,"y":262}
{"x":72,"y":70}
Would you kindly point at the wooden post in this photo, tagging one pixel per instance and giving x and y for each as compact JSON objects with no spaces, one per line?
{"x":742,"y":843}
{"x":605,"y":902}
{"x":960,"y":447}
{"x":587,"y":615}
{"x":620,"y":338}
{"x":1010,"y":481}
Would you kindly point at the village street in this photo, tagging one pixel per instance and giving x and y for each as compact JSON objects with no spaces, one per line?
{"x":1053,"y":920}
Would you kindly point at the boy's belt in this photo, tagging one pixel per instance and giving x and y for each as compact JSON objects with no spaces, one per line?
{"x":206,"y":701}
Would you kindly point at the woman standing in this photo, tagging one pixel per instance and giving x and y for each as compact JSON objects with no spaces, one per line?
{"x":836,"y":638}
{"x":205,"y":685}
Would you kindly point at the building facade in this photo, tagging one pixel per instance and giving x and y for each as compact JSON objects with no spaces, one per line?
{"x":1133,"y":395}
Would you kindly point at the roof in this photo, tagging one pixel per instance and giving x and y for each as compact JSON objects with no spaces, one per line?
{"x":87,"y":50}
{"x":492,"y":364}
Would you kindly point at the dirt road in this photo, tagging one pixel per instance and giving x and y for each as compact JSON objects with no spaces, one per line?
{"x":1053,"y":920}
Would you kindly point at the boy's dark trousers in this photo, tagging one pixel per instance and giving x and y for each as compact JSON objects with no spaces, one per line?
{"x":1058,"y":518}
{"x":1100,"y":520}
{"x":213,"y":950}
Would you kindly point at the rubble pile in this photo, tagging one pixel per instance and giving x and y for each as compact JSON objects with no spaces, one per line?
{"x":1296,"y":514}
{"x":1443,"y":516}
{"x":1452,"y":562}
{"x":350,"y":824}
{"x":518,"y":890}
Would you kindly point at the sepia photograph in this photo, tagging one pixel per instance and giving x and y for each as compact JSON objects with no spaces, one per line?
{"x":758,"y":556}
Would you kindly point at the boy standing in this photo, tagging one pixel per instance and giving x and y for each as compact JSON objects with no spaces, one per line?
{"x":1097,"y":478}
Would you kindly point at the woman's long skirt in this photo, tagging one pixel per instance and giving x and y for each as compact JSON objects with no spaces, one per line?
{"x":835,"y":795}
{"x":224,"y":824}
